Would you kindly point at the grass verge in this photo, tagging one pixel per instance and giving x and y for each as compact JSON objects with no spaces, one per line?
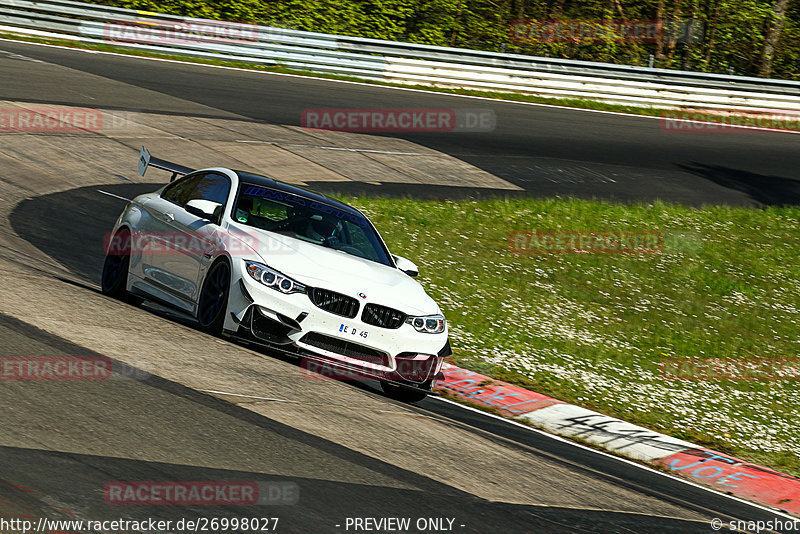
{"x":594,"y":329}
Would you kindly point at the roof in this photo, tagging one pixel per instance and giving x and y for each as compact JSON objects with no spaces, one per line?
{"x":265,"y":181}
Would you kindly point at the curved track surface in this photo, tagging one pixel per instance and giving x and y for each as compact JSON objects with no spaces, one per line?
{"x":544,"y":150}
{"x":351,"y":452}
{"x":66,"y":441}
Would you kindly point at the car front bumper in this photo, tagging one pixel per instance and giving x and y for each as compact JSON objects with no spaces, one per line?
{"x":293,"y":323}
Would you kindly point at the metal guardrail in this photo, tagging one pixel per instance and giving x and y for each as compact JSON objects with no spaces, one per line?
{"x":399,"y":62}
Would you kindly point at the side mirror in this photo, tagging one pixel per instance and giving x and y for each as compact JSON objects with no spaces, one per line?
{"x":205,"y":209}
{"x":406,"y":265}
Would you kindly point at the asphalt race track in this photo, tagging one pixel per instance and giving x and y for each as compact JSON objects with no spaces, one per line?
{"x":350,"y":451}
{"x":546,"y":151}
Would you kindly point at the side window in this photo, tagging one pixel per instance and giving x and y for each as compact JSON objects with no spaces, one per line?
{"x":214,"y":187}
{"x":180,"y":191}
{"x":269,"y":210}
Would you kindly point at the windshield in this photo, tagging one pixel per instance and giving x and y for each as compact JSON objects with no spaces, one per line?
{"x":309,"y":220}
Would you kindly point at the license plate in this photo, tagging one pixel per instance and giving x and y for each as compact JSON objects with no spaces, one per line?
{"x":352,"y":331}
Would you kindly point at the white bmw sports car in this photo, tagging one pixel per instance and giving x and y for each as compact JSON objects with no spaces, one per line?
{"x":274,"y":264}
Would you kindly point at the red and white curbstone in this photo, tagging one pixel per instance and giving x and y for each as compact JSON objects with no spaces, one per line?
{"x":717,"y":470}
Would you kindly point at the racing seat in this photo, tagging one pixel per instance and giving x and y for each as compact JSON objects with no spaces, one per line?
{"x":244,"y":208}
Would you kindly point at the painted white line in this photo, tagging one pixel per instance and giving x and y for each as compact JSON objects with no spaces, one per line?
{"x":368,"y":151}
{"x":245,"y":396}
{"x":483,"y":98}
{"x":621,"y":512}
{"x":112,"y":195}
{"x":408,"y":414}
{"x":624,"y":460}
{"x":394,"y":153}
{"x":11,"y":55}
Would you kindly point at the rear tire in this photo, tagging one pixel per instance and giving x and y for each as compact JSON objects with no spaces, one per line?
{"x":213,"y":303}
{"x":406,"y":394}
{"x":114,"y":280}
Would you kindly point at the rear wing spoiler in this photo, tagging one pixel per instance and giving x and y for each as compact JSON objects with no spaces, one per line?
{"x":145,"y":160}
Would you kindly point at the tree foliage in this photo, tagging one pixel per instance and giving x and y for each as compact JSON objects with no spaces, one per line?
{"x":740,"y":35}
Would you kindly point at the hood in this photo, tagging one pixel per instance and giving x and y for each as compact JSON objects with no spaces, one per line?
{"x":318,"y":266}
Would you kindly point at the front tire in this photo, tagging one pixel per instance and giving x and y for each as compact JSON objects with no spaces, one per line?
{"x":213,"y":302}
{"x":114,"y":280}
{"x":407,"y":394}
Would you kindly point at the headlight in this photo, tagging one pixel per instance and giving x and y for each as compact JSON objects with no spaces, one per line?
{"x":429,"y":324}
{"x":272,"y":278}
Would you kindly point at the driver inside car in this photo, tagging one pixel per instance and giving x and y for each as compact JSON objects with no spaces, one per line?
{"x":322,"y":229}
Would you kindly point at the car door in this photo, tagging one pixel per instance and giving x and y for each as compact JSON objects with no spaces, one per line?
{"x":163,"y":263}
{"x":202,"y":235}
